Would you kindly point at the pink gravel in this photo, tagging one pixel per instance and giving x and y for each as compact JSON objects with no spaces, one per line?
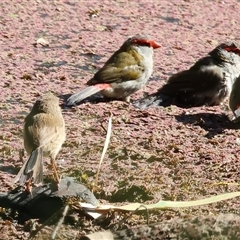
{"x":169,"y":154}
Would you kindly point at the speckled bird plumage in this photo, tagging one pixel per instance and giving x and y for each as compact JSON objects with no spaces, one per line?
{"x":208,"y":82}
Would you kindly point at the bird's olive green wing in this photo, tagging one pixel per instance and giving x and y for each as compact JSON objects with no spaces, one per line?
{"x":123,"y":66}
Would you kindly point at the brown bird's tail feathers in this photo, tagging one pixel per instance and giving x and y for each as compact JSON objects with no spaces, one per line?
{"x":87,"y":92}
{"x":32,"y":168}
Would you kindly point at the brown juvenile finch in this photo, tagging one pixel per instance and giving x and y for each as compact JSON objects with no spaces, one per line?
{"x":125,"y":72}
{"x":44,"y":134}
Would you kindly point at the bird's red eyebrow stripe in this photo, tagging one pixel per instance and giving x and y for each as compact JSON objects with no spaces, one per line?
{"x":140,"y":41}
{"x":146,"y":42}
{"x":235,"y":50}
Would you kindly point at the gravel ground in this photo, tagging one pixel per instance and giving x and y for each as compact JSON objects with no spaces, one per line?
{"x":159,"y":153}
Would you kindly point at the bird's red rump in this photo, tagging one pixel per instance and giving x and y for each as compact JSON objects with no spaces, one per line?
{"x":102,"y":86}
{"x":145,"y":42}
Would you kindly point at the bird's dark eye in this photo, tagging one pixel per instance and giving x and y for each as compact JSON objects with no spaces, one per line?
{"x":233,"y":45}
{"x":38,"y":102}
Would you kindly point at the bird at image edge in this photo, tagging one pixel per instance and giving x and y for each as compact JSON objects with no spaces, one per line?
{"x":234,"y":100}
{"x":208,"y":82}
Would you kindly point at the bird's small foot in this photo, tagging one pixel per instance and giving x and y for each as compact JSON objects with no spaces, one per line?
{"x":28,"y":187}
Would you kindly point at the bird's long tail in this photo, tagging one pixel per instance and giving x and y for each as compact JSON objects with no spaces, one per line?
{"x":87,"y":92}
{"x":155,"y":99}
{"x":32,"y":168}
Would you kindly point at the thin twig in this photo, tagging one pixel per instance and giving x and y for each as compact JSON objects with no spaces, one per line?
{"x":107,"y":140}
{"x":43,"y":225}
{"x":131,"y":214}
{"x":60,"y":222}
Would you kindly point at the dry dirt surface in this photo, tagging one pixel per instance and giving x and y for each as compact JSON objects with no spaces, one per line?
{"x":155,"y":154}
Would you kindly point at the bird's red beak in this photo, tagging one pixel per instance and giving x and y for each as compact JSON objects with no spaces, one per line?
{"x":154,"y":44}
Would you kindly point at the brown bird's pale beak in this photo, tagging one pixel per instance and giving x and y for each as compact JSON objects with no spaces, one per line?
{"x":237,"y":112}
{"x":236,"y":117}
{"x":154,"y":44}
